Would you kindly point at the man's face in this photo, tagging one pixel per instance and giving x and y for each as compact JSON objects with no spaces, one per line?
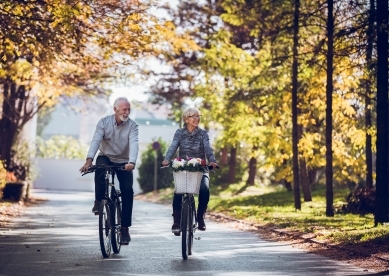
{"x":122,"y":111}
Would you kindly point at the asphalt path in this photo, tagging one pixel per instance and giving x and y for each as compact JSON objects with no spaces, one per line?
{"x":60,"y":237}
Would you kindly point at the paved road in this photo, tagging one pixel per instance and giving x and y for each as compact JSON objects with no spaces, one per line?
{"x":60,"y":237}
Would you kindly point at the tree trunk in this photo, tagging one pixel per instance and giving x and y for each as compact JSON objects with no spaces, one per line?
{"x":252,"y":171}
{"x":329,"y":89}
{"x":368,"y":107}
{"x":288,"y":185}
{"x":232,"y":165}
{"x":305,"y":181}
{"x":295,"y":136}
{"x":381,"y":204}
{"x":17,"y":110}
{"x":312,"y":176}
{"x":224,"y":156}
{"x":8,"y":126}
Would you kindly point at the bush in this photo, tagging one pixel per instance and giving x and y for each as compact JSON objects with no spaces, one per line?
{"x":22,"y":165}
{"x":61,"y":147}
{"x":146,"y":169}
{"x":360,"y":201}
{"x":14,"y":191}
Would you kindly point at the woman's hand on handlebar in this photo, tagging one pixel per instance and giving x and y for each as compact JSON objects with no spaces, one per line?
{"x":213,"y":165}
{"x":165,"y":163}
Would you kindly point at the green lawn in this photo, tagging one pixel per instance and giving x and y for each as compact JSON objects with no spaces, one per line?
{"x":275,"y":207}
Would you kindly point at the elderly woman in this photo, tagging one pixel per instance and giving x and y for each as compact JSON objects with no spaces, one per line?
{"x":191,"y":141}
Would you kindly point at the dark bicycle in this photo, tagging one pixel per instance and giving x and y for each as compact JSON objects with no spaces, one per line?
{"x":110,"y":211}
{"x":188,"y":224}
{"x":188,"y":221}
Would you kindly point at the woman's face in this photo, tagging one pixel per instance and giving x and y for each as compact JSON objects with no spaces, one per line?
{"x":193,"y":120}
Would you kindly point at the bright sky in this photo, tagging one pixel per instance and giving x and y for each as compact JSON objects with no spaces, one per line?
{"x":131,"y":93}
{"x":137,"y":92}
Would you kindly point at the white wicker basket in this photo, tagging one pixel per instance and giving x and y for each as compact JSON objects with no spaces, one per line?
{"x":187,"y":182}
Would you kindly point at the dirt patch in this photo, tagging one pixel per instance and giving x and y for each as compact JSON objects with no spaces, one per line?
{"x":10,"y":210}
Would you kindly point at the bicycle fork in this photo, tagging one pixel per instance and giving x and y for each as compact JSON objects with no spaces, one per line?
{"x":192,"y":207}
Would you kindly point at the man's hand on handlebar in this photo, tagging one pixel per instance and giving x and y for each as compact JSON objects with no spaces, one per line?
{"x":129,"y":167}
{"x":87,"y":165}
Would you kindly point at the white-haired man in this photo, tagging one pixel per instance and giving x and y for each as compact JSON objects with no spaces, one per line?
{"x":116,"y":136}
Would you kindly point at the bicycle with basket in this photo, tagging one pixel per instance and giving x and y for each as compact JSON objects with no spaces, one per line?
{"x":187,"y":177}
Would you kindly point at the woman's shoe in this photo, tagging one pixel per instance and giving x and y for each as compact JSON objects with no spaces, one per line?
{"x":200,"y":218}
{"x":176,"y":222}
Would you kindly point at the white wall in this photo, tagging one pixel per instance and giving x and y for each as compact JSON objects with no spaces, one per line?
{"x":63,"y":174}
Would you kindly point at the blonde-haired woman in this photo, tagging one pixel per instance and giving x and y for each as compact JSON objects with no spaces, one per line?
{"x":191,"y":141}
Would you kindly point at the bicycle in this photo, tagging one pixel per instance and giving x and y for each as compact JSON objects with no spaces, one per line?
{"x":110,"y":211}
{"x":188,"y":221}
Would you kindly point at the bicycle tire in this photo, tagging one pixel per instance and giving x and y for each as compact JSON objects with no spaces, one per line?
{"x":185,"y":229}
{"x":105,"y":228}
{"x":117,"y":221}
{"x":191,"y":230}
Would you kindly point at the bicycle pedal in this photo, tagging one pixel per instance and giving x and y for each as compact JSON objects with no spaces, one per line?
{"x":176,"y":232}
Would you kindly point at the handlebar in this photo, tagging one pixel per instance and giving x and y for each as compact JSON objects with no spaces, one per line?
{"x":209,"y":167}
{"x":104,"y":166}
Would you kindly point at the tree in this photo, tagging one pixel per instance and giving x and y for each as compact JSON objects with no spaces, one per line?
{"x":53,"y":49}
{"x":381,"y":205}
{"x":368,"y":102}
{"x":295,"y":135}
{"x":329,"y":90}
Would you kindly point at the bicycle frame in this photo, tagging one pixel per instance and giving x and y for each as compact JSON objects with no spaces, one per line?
{"x":192,"y":205}
{"x":110,"y":195}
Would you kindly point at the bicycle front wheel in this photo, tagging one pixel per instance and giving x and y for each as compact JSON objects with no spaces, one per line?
{"x":105,"y":228}
{"x":191,"y":226}
{"x":116,"y":221}
{"x":185,"y":229}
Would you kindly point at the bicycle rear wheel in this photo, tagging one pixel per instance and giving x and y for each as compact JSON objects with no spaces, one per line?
{"x":185,"y":229}
{"x":105,"y":228}
{"x":117,"y":221}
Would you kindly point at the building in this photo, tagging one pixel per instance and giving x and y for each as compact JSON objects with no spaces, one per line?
{"x":78,"y":119}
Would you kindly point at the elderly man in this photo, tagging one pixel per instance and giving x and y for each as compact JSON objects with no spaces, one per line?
{"x":116,"y":136}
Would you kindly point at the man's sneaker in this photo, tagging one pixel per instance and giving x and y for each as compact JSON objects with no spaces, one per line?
{"x":176,"y":229}
{"x":125,"y":235}
{"x":96,"y":207}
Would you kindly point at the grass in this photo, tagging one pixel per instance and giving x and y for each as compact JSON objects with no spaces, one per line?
{"x":274,"y":207}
